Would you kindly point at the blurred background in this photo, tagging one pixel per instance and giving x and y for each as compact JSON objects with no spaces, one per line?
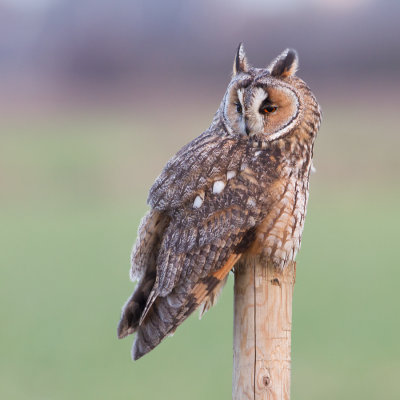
{"x":95,"y":97}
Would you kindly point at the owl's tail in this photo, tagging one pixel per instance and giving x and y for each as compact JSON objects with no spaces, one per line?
{"x":167,"y":313}
{"x":133,"y":308}
{"x":143,"y":260}
{"x":162,"y":319}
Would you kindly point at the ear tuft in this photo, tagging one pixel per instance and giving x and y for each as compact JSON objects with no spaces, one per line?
{"x":240,"y":63}
{"x":285,"y":64}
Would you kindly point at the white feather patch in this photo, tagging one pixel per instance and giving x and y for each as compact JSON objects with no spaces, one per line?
{"x":198,"y":202}
{"x":230,"y":175}
{"x":218,"y":187}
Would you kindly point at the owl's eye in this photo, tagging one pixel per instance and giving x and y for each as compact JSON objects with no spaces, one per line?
{"x":268,"y":109}
{"x":238,"y":108}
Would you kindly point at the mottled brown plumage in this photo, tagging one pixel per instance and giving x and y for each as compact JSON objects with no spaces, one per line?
{"x":241,"y":187}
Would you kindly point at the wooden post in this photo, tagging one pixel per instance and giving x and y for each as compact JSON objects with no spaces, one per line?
{"x":262,"y":330}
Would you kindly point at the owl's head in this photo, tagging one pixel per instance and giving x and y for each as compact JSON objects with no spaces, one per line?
{"x":266,"y":102}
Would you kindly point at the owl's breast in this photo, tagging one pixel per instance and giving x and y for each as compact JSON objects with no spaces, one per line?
{"x":278,"y":236}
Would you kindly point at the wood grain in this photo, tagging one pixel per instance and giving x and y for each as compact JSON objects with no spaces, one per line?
{"x":262,"y":330}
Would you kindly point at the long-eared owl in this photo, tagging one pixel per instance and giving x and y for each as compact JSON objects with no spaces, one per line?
{"x":239,"y":188}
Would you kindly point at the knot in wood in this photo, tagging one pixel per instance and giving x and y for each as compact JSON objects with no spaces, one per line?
{"x":276,"y":282}
{"x":266,"y":380}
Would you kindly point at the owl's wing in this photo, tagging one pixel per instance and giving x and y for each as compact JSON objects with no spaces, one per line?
{"x":198,"y":250}
{"x":203,"y":240}
{"x":192,"y":190}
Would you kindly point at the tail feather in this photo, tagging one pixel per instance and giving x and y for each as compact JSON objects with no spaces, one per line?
{"x":162,"y":320}
{"x":133,"y":308}
{"x":144,"y":256}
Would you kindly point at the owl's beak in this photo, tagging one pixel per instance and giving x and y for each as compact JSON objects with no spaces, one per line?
{"x":246,"y":127}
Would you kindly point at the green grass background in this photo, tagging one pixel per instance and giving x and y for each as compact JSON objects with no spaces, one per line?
{"x":72,"y":194}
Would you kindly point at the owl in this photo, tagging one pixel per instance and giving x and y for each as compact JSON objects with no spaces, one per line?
{"x":239,"y":189}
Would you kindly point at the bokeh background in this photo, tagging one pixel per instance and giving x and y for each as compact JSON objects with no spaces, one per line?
{"x":95,"y":96}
